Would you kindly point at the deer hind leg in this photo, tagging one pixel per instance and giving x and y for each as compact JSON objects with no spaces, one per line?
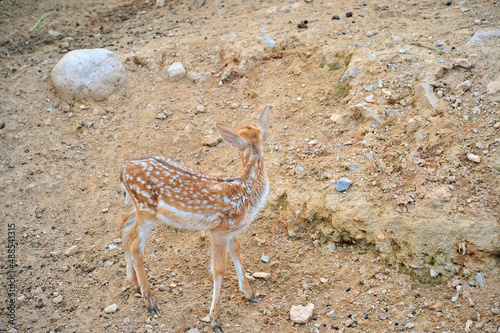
{"x":234,"y":249}
{"x":126,"y":224}
{"x":219,"y":263}
{"x":138,"y":236}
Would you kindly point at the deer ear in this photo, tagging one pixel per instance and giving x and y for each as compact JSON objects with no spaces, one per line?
{"x":230,"y":136}
{"x":264,"y":121}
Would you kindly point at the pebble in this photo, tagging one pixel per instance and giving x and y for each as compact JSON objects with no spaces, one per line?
{"x":111,"y":308}
{"x":2,"y":125}
{"x":473,"y":158}
{"x":496,"y":125}
{"x":410,"y":325}
{"x":479,"y":279}
{"x":261,"y":275}
{"x":176,"y":70}
{"x":71,"y":251}
{"x":126,"y":321}
{"x":371,"y":33}
{"x":433,"y":273}
{"x":343,"y":184}
{"x":58,"y":299}
{"x":271,"y":43}
{"x":454,"y":299}
{"x":348,"y":14}
{"x":353,"y":167}
{"x":383,"y":316}
{"x":332,"y":314}
{"x":336,"y":17}
{"x":301,"y":314}
{"x":265,"y":258}
{"x":331,"y":247}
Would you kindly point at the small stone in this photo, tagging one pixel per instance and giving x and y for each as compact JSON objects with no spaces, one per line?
{"x":234,"y":105}
{"x":343,"y":184}
{"x":454,"y":299}
{"x":473,"y":158}
{"x":271,"y":43}
{"x":265,"y":258}
{"x":496,"y":125}
{"x":206,"y":319}
{"x":54,"y":33}
{"x":295,"y":70}
{"x":211,"y":141}
{"x":411,"y":126}
{"x":464,"y":63}
{"x":58,"y":299}
{"x":348,"y":14}
{"x":126,"y":321}
{"x":332,"y":314}
{"x":371,"y":33}
{"x":301,"y":314}
{"x":449,"y":3}
{"x":336,"y":17}
{"x":71,"y":251}
{"x":433,"y":273}
{"x":383,"y":316}
{"x":381,"y":236}
{"x":493,"y":90}
{"x":299,"y":99}
{"x":382,"y":7}
{"x":331,"y":247}
{"x":479,"y":279}
{"x":464,"y":86}
{"x":161,"y":115}
{"x":261,"y":275}
{"x":438,"y":305}
{"x":323,"y":280}
{"x":2,"y":125}
{"x":410,"y":325}
{"x":111,"y":308}
{"x":176,"y":70}
{"x":200,"y":108}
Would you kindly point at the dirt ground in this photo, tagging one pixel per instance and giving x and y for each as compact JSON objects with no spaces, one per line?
{"x":61,"y":160}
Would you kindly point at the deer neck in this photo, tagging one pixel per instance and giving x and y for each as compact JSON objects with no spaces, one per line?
{"x":253,"y":166}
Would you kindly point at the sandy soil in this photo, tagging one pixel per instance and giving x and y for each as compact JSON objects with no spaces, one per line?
{"x":61,"y":160}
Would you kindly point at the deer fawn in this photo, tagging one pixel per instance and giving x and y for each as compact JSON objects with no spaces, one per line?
{"x":163,"y":191}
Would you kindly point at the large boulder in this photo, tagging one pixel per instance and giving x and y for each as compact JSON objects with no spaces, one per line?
{"x":94,"y":74}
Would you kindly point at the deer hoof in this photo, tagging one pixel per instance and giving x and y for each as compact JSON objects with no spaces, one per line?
{"x":216,"y":326}
{"x":152,"y":308}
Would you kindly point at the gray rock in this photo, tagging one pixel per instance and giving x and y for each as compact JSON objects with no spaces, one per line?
{"x":352,"y":71}
{"x":424,"y":94}
{"x":111,"y":308}
{"x":71,"y":250}
{"x":343,"y":184}
{"x":199,"y":77}
{"x":371,"y":33}
{"x":463,"y":87}
{"x":473,"y":158}
{"x":493,"y":90}
{"x":479,"y":279}
{"x":332,"y":314}
{"x":383,"y":316}
{"x":482,"y":35}
{"x":454,"y":299}
{"x":433,"y":273}
{"x":176,"y":70}
{"x":410,"y":325}
{"x":271,"y":43}
{"x":58,"y":299}
{"x":94,"y":74}
{"x":265,"y":258}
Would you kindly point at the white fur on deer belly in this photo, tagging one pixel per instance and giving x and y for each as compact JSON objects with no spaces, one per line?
{"x":185,"y":220}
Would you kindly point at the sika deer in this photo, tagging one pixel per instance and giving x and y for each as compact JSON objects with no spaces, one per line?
{"x":163,"y":191}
